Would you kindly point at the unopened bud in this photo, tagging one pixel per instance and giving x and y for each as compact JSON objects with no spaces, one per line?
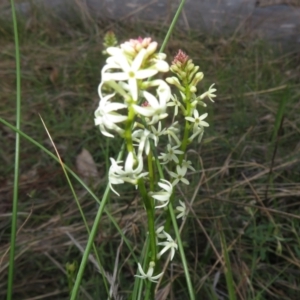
{"x":193,"y":89}
{"x":190,"y":66}
{"x":151,"y":48}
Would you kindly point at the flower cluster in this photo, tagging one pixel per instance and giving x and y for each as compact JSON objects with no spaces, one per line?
{"x":134,"y":103}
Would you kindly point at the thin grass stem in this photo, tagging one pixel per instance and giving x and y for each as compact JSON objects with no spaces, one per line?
{"x":17,"y":159}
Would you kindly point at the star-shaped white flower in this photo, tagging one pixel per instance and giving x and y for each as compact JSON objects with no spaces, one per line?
{"x":174,"y":102}
{"x":156,"y":108}
{"x":132,"y":70}
{"x":169,"y":244}
{"x":131,"y":172}
{"x":199,"y":131}
{"x":149,"y":274}
{"x":107,"y":117}
{"x":173,"y":132}
{"x":160,"y":233}
{"x":188,"y":165}
{"x":163,"y":195}
{"x":142,"y":136}
{"x":170,"y":154}
{"x":210,"y":93}
{"x":182,"y":210}
{"x":157,"y":132}
{"x":179,"y":176}
{"x":114,"y":174}
{"x":198,"y":120}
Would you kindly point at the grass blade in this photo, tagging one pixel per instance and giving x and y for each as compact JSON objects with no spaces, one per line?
{"x":17,"y":159}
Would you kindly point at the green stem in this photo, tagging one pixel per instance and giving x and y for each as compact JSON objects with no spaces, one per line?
{"x":149,"y":291}
{"x":89,"y":245}
{"x":128,"y":129}
{"x":17,"y":160}
{"x":171,"y":28}
{"x":151,"y":172}
{"x":182,"y":254}
{"x":185,"y":140}
{"x":149,"y":205}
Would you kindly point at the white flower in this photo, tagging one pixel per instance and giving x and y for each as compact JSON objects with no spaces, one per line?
{"x":107,"y":117}
{"x":197,"y":131}
{"x":163,"y":195}
{"x":117,"y":175}
{"x":198,"y":120}
{"x":142,"y":137}
{"x":121,"y":87}
{"x":155,"y":108}
{"x":172,"y":132}
{"x":174,"y":102}
{"x":160,"y":233}
{"x":132,"y":71}
{"x":114,"y":174}
{"x":182,"y":210}
{"x":159,"y":63}
{"x":179,"y":176}
{"x":170,"y":244}
{"x":187,"y":165}
{"x":149,"y":274}
{"x":170,"y":154}
{"x":210,"y":93}
{"x":157,"y":132}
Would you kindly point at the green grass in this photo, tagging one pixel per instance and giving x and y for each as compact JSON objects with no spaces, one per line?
{"x":60,"y":67}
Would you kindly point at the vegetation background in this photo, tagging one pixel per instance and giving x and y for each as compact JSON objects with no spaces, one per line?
{"x":246,"y":190}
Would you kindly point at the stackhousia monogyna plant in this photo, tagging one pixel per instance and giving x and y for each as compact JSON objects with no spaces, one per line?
{"x":135,"y":105}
